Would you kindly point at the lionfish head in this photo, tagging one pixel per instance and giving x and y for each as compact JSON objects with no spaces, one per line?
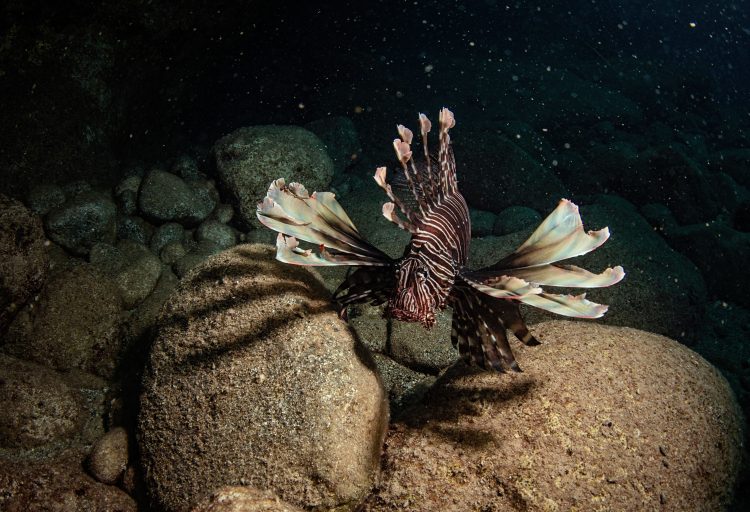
{"x":414,"y":299}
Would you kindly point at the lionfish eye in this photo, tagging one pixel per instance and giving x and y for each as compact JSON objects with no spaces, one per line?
{"x":420,"y":274}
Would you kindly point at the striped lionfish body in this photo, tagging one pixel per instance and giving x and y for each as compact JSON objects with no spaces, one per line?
{"x":432,"y":273}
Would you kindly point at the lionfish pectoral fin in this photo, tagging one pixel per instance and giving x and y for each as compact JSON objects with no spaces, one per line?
{"x":478,"y":330}
{"x":372,"y":285}
{"x":560,"y":236}
{"x":536,"y":263}
{"x":316,"y":218}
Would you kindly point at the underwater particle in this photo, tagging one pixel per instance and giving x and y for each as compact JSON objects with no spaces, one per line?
{"x":692,"y":24}
{"x":428,"y":68}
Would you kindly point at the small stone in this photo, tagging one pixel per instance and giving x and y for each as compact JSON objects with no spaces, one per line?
{"x":216,"y":232}
{"x":130,"y":227}
{"x":195,"y":257}
{"x":223,"y":213}
{"x":186,"y":167}
{"x":109,"y":456}
{"x":164,"y":197}
{"x":169,"y":232}
{"x":172,"y":252}
{"x":126,"y":194}
{"x":83,"y":221}
{"x":481,"y":222}
{"x":107,"y":258}
{"x":138,"y":278}
{"x":75,"y":188}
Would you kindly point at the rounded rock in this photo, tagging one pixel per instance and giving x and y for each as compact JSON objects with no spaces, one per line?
{"x":602,"y":418}
{"x":251,"y":361}
{"x":44,"y":197}
{"x":83,"y":221}
{"x":249,"y":159}
{"x":164,"y":197}
{"x":214,"y":231}
{"x":109,"y":456}
{"x":36,"y":406}
{"x":75,"y":323}
{"x":23,"y":259}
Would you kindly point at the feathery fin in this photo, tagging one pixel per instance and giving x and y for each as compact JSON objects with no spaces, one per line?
{"x":317,"y":219}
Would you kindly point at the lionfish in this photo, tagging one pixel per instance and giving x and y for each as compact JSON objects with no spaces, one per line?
{"x":432,"y":274}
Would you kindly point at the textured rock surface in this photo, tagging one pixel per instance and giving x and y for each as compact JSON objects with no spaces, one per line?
{"x":249,"y":159}
{"x":75,"y":323}
{"x":254,"y":367}
{"x":23,"y":259}
{"x":59,"y":485}
{"x":243,"y":499}
{"x":37,"y":407}
{"x":140,"y":273}
{"x":603,"y":418}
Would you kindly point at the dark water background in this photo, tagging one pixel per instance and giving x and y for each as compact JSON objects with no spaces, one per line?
{"x":86,"y":89}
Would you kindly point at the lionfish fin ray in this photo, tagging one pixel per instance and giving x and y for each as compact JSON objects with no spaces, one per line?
{"x":576,"y":306}
{"x":478,"y":330}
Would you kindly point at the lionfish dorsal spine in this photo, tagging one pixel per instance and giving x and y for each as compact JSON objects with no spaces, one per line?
{"x":428,"y":186}
{"x":449,"y":185}
{"x":413,"y":178}
{"x":388,"y":208}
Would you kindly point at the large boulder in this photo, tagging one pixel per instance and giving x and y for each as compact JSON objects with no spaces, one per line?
{"x":602,"y":418}
{"x":23,"y":258}
{"x":253,"y":379}
{"x":249,"y":159}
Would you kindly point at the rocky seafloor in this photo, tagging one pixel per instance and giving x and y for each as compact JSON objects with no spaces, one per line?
{"x":155,"y":356}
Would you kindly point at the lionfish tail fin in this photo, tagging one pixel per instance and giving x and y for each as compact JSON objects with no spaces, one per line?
{"x":478,"y":329}
{"x":316,"y":218}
